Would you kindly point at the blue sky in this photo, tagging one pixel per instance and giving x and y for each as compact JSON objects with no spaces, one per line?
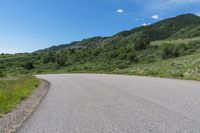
{"x":28,"y":25}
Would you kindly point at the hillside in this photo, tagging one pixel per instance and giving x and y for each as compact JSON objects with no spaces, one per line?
{"x":131,"y":52}
{"x":182,"y":26}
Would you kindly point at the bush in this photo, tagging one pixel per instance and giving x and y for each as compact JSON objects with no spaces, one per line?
{"x":176,"y":73}
{"x":60,"y":61}
{"x":142,"y":43}
{"x":2,"y":75}
{"x":151,"y":58}
{"x":173,"y":50}
{"x":29,"y":65}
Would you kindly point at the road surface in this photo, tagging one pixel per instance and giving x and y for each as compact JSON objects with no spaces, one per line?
{"x":97,"y":103}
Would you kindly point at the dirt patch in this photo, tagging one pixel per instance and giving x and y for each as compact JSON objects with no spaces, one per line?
{"x":10,"y":122}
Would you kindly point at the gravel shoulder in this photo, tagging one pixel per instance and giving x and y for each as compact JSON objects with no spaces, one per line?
{"x":13,"y":120}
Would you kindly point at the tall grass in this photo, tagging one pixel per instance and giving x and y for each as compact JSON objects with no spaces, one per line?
{"x":15,"y":89}
{"x":186,"y":67}
{"x":178,"y":41}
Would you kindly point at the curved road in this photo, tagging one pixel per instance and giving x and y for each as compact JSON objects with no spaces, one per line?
{"x":97,"y":103}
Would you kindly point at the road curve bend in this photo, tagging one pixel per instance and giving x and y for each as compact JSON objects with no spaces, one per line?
{"x":99,"y":103}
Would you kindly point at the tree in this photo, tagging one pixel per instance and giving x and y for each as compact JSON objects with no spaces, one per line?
{"x":29,"y":65}
{"x":46,"y":59}
{"x":142,"y":43}
{"x":173,"y":50}
{"x":2,"y":74}
{"x":60,"y":61}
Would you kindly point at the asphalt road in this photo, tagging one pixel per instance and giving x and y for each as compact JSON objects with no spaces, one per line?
{"x":86,"y":103}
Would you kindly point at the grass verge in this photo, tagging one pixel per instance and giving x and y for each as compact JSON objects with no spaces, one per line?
{"x":186,"y":67}
{"x":15,"y":89}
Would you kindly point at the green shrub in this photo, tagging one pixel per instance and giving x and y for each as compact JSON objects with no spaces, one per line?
{"x":176,"y":73}
{"x":29,"y":65}
{"x":142,"y":43}
{"x":173,"y":50}
{"x":2,"y":75}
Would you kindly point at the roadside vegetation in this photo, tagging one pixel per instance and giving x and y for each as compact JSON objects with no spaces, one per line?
{"x":169,"y":48}
{"x":185,"y":67}
{"x":169,"y":58}
{"x":15,"y":89}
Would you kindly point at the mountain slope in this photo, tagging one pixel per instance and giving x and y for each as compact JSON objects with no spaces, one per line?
{"x":153,"y":45}
{"x":188,"y":32}
{"x":182,"y":26}
{"x":163,"y":29}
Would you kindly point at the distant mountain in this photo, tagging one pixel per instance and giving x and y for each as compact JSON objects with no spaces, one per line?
{"x":182,"y":26}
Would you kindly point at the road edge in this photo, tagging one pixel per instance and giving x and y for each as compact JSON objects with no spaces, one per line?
{"x":11,"y":122}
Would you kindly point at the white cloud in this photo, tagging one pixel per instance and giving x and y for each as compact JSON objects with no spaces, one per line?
{"x":163,"y":6}
{"x":120,"y":11}
{"x":155,"y":17}
{"x":145,"y":24}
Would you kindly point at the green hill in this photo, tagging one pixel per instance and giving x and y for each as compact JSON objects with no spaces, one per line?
{"x":132,"y":52}
{"x":182,"y":26}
